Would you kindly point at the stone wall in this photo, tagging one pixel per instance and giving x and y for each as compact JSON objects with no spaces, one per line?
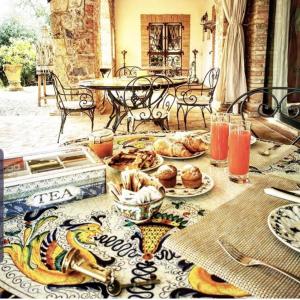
{"x":75,"y":30}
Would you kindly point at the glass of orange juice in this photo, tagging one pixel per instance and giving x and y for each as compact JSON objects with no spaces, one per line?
{"x":101,"y":142}
{"x":219,"y":132}
{"x":239,"y":151}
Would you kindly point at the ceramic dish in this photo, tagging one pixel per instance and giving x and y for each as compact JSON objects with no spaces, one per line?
{"x":157,"y":163}
{"x":206,"y":138}
{"x":139,"y":142}
{"x":180,"y":191}
{"x":284,"y":222}
{"x":197,"y":154}
{"x":138,"y":213}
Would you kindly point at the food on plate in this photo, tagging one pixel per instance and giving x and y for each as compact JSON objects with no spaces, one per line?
{"x":191,"y":176}
{"x":193,"y":144}
{"x":180,"y":146}
{"x":166,"y":175}
{"x":173,"y":149}
{"x":179,"y":150}
{"x":162,"y":146}
{"x":133,"y":159}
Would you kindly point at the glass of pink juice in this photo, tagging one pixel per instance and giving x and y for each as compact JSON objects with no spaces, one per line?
{"x":219,"y":132}
{"x":239,"y":151}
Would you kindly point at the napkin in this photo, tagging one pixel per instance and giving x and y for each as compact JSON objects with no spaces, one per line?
{"x":145,"y":195}
{"x":282,"y":195}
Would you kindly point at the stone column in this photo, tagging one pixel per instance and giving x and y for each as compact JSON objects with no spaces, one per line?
{"x":75,"y":31}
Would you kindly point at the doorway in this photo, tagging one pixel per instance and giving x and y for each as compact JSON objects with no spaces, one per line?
{"x":283,"y":55}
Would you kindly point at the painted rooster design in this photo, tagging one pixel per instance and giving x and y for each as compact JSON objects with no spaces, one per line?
{"x":39,"y":256}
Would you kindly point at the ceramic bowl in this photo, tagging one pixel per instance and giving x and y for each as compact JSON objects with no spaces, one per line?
{"x":138,"y":213}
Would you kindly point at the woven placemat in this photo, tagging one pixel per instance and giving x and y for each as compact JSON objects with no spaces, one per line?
{"x":243,"y":223}
{"x":259,"y":161}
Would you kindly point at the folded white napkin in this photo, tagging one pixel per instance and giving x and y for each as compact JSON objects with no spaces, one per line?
{"x":145,"y":195}
{"x":282,"y":195}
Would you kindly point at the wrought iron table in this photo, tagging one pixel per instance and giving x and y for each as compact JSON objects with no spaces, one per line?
{"x":113,"y":86}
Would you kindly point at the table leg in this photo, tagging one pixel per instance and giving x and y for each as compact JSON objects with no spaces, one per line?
{"x":112,"y":116}
{"x":116,"y":111}
{"x":45,"y":88}
{"x":39,"y":89}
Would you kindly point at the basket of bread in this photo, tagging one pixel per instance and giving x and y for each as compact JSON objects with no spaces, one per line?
{"x":138,"y":196}
{"x":180,"y":147}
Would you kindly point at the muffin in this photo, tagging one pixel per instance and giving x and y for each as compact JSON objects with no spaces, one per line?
{"x":191,"y":177}
{"x":166,"y":175}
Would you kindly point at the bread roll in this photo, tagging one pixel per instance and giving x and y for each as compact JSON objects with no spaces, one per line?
{"x":191,"y":176}
{"x":163,"y":147}
{"x":179,"y":150}
{"x":193,"y":144}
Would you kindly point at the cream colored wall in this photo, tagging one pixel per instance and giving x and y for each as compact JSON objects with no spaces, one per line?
{"x":128,"y":27}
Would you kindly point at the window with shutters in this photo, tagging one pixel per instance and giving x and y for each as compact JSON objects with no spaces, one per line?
{"x":165,"y":44}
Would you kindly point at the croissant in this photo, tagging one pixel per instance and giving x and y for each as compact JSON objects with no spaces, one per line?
{"x":179,"y":150}
{"x":194,"y":144}
{"x":163,"y":147}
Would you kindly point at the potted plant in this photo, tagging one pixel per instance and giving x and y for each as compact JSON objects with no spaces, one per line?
{"x":13,"y":57}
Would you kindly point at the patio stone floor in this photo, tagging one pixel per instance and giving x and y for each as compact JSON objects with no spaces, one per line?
{"x":24,"y":125}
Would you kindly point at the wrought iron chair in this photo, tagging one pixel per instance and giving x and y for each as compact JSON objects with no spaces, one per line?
{"x":70,"y":100}
{"x":277,"y":96}
{"x":128,"y":71}
{"x":200,"y":95}
{"x":147,"y":98}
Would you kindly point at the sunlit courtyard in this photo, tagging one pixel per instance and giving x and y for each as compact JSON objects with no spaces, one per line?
{"x":149,"y":149}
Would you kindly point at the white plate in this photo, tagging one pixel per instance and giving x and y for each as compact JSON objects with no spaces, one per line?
{"x":284,"y":222}
{"x":197,"y":154}
{"x":157,"y":163}
{"x":180,"y":191}
{"x":206,"y":138}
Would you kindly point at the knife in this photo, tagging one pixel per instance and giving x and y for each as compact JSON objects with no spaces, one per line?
{"x":287,"y":192}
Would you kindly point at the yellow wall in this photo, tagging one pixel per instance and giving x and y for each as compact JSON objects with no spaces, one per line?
{"x":128,"y":27}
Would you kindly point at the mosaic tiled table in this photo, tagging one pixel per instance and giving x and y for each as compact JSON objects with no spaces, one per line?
{"x":35,"y":243}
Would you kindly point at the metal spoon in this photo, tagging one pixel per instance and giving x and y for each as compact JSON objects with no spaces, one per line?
{"x":267,"y":152}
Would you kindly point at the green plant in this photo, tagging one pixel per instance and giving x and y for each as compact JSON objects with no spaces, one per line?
{"x":12,"y":29}
{"x":20,"y":52}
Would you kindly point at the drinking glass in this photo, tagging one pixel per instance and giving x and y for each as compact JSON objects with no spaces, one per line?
{"x":219,"y":131}
{"x":101,"y":142}
{"x":239,"y":151}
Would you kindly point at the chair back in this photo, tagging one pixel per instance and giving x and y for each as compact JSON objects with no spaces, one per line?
{"x":191,"y":94}
{"x":151,"y":92}
{"x":59,"y":91}
{"x":277,"y":104}
{"x":128,"y":71}
{"x":211,"y":78}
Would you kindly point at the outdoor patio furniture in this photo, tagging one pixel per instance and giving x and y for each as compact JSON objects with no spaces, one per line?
{"x":116,"y":87}
{"x":151,"y":103}
{"x":130,"y":71}
{"x":70,"y":100}
{"x":277,"y":106}
{"x":189,"y":95}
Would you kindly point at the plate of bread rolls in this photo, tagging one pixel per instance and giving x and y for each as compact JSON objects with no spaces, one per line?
{"x":189,"y":181}
{"x":180,"y":147}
